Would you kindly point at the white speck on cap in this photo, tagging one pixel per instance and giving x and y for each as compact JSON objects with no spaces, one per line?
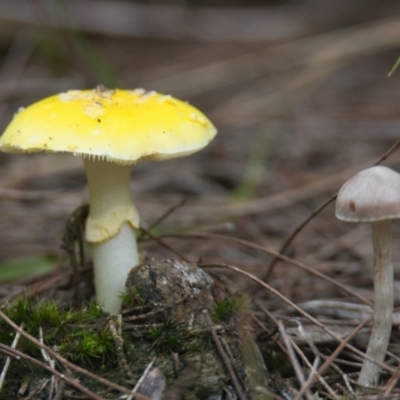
{"x":95,"y":110}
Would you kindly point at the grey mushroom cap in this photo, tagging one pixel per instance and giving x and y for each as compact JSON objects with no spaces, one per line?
{"x":371,"y":195}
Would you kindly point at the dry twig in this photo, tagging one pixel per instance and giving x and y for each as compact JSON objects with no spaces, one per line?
{"x":119,"y":342}
{"x":141,"y":379}
{"x":223,"y":356}
{"x":300,"y":311}
{"x":270,"y":252}
{"x":18,"y":355}
{"x":165,"y":245}
{"x":8,"y":359}
{"x":293,"y":359}
{"x":312,"y":367}
{"x":162,"y":217}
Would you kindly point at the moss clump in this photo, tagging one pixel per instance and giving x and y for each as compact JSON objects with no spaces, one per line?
{"x":230,"y":307}
{"x":131,"y":298}
{"x":166,"y":338}
{"x":79,"y":335}
{"x":85,"y":346}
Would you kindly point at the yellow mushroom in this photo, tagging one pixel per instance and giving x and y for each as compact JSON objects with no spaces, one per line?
{"x":110,"y":130}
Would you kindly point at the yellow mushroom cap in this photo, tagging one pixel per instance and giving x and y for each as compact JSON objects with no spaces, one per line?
{"x":123,"y":126}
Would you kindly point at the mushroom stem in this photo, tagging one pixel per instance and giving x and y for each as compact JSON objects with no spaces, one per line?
{"x":113,"y":260}
{"x":383,"y":301}
{"x":110,"y":229}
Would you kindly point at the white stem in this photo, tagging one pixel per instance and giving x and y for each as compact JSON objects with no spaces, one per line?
{"x":383,"y":301}
{"x":109,"y":229}
{"x":113,"y":260}
{"x":110,"y":200}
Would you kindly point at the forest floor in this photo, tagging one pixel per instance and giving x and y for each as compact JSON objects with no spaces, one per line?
{"x":301,"y":104}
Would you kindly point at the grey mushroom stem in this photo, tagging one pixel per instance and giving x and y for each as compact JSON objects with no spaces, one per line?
{"x":383,"y":301}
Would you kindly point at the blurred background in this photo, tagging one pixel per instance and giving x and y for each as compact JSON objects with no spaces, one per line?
{"x":298,"y":90}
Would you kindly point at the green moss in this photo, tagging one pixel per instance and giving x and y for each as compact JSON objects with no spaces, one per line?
{"x":80,"y":335}
{"x":93,"y":310}
{"x":229,"y":308}
{"x":131,"y":298}
{"x":155,"y":333}
{"x":171,"y":341}
{"x":46,"y":314}
{"x":19,"y":311}
{"x":277,"y":362}
{"x":165,"y":338}
{"x":87,"y":346}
